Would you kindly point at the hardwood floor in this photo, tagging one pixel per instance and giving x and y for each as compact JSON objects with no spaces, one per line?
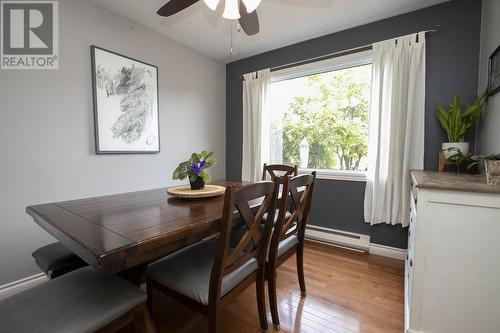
{"x":346,"y":292}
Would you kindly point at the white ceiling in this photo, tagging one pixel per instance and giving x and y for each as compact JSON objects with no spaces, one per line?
{"x":283,"y":22}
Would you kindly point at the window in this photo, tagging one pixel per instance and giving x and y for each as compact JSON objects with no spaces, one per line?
{"x":318,"y":116}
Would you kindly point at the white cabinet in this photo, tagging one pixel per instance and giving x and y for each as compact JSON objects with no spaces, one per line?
{"x":452,"y":277}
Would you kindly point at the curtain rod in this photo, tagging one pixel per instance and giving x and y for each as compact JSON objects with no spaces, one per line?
{"x":337,"y":54}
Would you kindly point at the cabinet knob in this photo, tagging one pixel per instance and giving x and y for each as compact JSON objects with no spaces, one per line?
{"x":411,"y":263}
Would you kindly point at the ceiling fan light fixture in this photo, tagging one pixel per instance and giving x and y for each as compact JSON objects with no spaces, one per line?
{"x":212,"y":4}
{"x":251,"y":5}
{"x":231,"y":10}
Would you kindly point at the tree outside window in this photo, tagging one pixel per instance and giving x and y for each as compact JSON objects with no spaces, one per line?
{"x":326,"y":113}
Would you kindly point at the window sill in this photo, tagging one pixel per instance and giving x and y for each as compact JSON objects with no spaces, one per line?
{"x":352,"y":176}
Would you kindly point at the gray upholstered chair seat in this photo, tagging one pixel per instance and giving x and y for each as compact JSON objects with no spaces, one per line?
{"x":55,"y":260}
{"x":286,"y":245}
{"x":188,"y":271}
{"x":81,"y":301}
{"x":276,"y":214}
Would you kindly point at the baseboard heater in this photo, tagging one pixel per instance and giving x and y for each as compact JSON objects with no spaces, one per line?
{"x":346,"y":239}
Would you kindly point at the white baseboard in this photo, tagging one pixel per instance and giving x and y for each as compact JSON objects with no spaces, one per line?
{"x":387,"y":251}
{"x":15,"y":287}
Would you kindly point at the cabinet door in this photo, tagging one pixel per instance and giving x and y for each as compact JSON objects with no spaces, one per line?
{"x":461,"y":283}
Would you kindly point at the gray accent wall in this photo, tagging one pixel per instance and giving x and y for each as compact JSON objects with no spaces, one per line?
{"x":452,"y":68}
{"x":489,"y":133}
{"x":46,"y":125}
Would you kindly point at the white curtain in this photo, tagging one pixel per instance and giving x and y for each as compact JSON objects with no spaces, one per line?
{"x":255,"y":93}
{"x":396,"y":129}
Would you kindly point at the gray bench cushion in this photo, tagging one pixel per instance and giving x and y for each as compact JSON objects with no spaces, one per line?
{"x":55,"y":259}
{"x":188,"y":271}
{"x":81,"y":301}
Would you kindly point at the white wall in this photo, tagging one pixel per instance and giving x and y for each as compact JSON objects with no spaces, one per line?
{"x":489,"y":134}
{"x":46,"y":125}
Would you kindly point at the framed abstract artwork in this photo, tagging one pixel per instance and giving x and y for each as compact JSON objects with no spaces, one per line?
{"x":125,"y":92}
{"x":494,"y":74}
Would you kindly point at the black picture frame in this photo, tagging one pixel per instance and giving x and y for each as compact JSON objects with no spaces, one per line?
{"x":98,"y":149}
{"x":494,"y":72}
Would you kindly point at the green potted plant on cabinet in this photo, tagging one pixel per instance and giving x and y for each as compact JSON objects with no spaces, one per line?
{"x":457,"y":121}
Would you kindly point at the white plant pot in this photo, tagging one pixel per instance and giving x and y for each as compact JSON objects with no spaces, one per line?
{"x":462,"y":146}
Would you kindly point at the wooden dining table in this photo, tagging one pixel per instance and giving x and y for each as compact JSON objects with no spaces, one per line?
{"x":122,"y":233}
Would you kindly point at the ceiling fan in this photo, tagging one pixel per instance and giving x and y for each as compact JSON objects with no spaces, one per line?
{"x":242,"y":10}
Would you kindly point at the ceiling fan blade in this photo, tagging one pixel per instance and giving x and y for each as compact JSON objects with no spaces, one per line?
{"x":249,"y":21}
{"x":174,"y":6}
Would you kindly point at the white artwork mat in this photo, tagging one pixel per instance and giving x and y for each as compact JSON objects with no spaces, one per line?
{"x":126,"y":104}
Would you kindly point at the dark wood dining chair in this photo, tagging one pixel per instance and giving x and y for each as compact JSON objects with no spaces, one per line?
{"x":275,"y":171}
{"x":279,"y":170}
{"x":208,"y":275}
{"x":81,"y":301}
{"x":288,"y":234}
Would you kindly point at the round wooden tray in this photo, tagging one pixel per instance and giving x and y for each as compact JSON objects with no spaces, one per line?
{"x":186,"y":191}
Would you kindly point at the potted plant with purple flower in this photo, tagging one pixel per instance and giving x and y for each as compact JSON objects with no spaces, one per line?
{"x":195,"y":169}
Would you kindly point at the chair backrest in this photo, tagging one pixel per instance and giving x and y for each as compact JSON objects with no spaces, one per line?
{"x":296,"y":198}
{"x":279,"y":170}
{"x":239,"y":203}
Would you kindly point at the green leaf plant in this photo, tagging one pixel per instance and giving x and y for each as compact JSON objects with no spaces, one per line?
{"x":479,"y":159}
{"x":455,"y":122}
{"x":195,"y":167}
